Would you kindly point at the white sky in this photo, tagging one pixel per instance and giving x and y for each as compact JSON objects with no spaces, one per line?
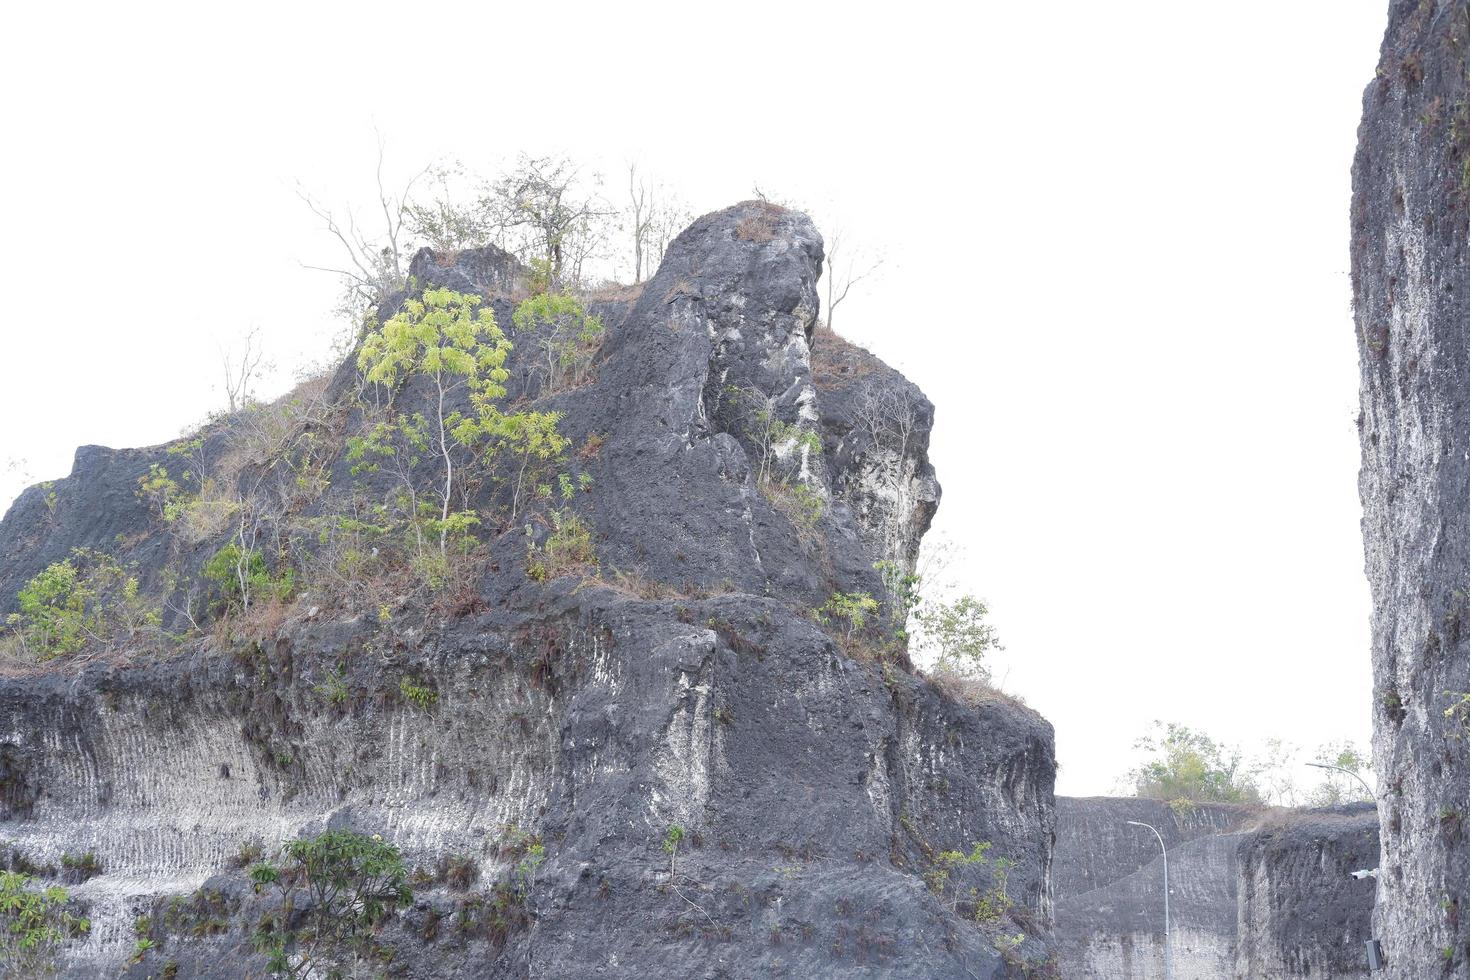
{"x":1117,"y":261}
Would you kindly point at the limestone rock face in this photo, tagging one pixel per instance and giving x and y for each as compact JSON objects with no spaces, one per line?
{"x":1411,"y":293}
{"x":1254,"y":895}
{"x":684,"y":685}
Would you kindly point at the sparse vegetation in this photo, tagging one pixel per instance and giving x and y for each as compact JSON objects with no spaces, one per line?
{"x":419,"y":695}
{"x":956,"y":636}
{"x":453,"y":341}
{"x":160,"y":491}
{"x":1458,"y":712}
{"x":1190,"y":765}
{"x":564,"y":335}
{"x":87,"y":598}
{"x":242,"y":577}
{"x":336,"y":890}
{"x":803,"y":506}
{"x":34,"y":924}
{"x":945,"y":878}
{"x":79,"y":867}
{"x":567,"y":550}
{"x":849,"y":612}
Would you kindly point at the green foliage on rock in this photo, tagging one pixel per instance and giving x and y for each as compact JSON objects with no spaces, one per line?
{"x":419,"y":695}
{"x":336,"y":890}
{"x":87,"y":598}
{"x":849,"y":611}
{"x":453,"y":341}
{"x":531,"y":445}
{"x":243,"y":577}
{"x":161,"y":492}
{"x":568,"y":549}
{"x":565,"y":336}
{"x":34,"y":923}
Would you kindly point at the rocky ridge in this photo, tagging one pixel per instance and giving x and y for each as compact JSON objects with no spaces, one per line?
{"x":684,"y":683}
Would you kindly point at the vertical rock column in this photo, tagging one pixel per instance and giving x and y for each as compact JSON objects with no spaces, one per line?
{"x":1411,"y":212}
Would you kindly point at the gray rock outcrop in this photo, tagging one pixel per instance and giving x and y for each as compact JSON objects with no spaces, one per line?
{"x":1411,"y":287}
{"x":814,"y":784}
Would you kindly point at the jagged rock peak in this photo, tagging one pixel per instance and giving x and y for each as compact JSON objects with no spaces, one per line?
{"x":740,"y":467}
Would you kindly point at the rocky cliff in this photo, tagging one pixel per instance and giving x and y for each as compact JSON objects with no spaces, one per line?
{"x":676,"y":680}
{"x":1411,"y":285}
{"x":1254,"y":895}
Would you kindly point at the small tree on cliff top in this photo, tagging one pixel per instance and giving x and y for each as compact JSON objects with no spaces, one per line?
{"x":1189,"y":765}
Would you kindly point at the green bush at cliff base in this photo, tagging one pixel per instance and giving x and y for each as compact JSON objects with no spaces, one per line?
{"x":347,"y":886}
{"x":34,"y":924}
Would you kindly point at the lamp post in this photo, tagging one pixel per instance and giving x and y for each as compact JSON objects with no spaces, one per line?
{"x":1375,"y":951}
{"x":1168,"y":957}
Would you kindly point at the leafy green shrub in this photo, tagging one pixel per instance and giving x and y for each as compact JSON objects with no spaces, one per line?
{"x":160,"y":492}
{"x":852,"y":610}
{"x":955,"y":633}
{"x":80,"y":867}
{"x":348,"y":886}
{"x":565,"y":335}
{"x":673,"y":837}
{"x":418,"y":695}
{"x":87,"y":598}
{"x":531,"y":444}
{"x":986,"y":905}
{"x":333,"y":689}
{"x":34,"y":923}
{"x":799,"y":503}
{"x":568,"y":549}
{"x":1189,"y":765}
{"x":450,"y":339}
{"x":242,"y":576}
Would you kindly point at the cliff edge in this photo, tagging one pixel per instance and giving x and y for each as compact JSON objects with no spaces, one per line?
{"x":716,"y":783}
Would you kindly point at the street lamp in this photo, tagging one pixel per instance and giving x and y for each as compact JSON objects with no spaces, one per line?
{"x":1168,"y":956}
{"x":1375,"y":951}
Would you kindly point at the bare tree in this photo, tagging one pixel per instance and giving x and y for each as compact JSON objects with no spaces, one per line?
{"x":842,"y":277}
{"x":641,"y":210}
{"x":546,"y":210}
{"x":446,"y":224}
{"x":244,"y":365}
{"x":375,"y":260}
{"x":656,"y":215}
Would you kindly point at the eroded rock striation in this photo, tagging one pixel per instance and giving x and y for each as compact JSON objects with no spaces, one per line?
{"x":1254,"y":895}
{"x":685,"y":684}
{"x":1411,"y":286}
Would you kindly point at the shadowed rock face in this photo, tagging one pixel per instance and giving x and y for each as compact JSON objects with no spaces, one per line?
{"x":813,"y":788}
{"x":1411,"y":286}
{"x":1253,"y":895}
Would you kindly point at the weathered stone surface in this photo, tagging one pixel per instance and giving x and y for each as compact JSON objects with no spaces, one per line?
{"x":1254,"y":895}
{"x":1411,"y":286}
{"x":813,"y":787}
{"x":1301,"y":913}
